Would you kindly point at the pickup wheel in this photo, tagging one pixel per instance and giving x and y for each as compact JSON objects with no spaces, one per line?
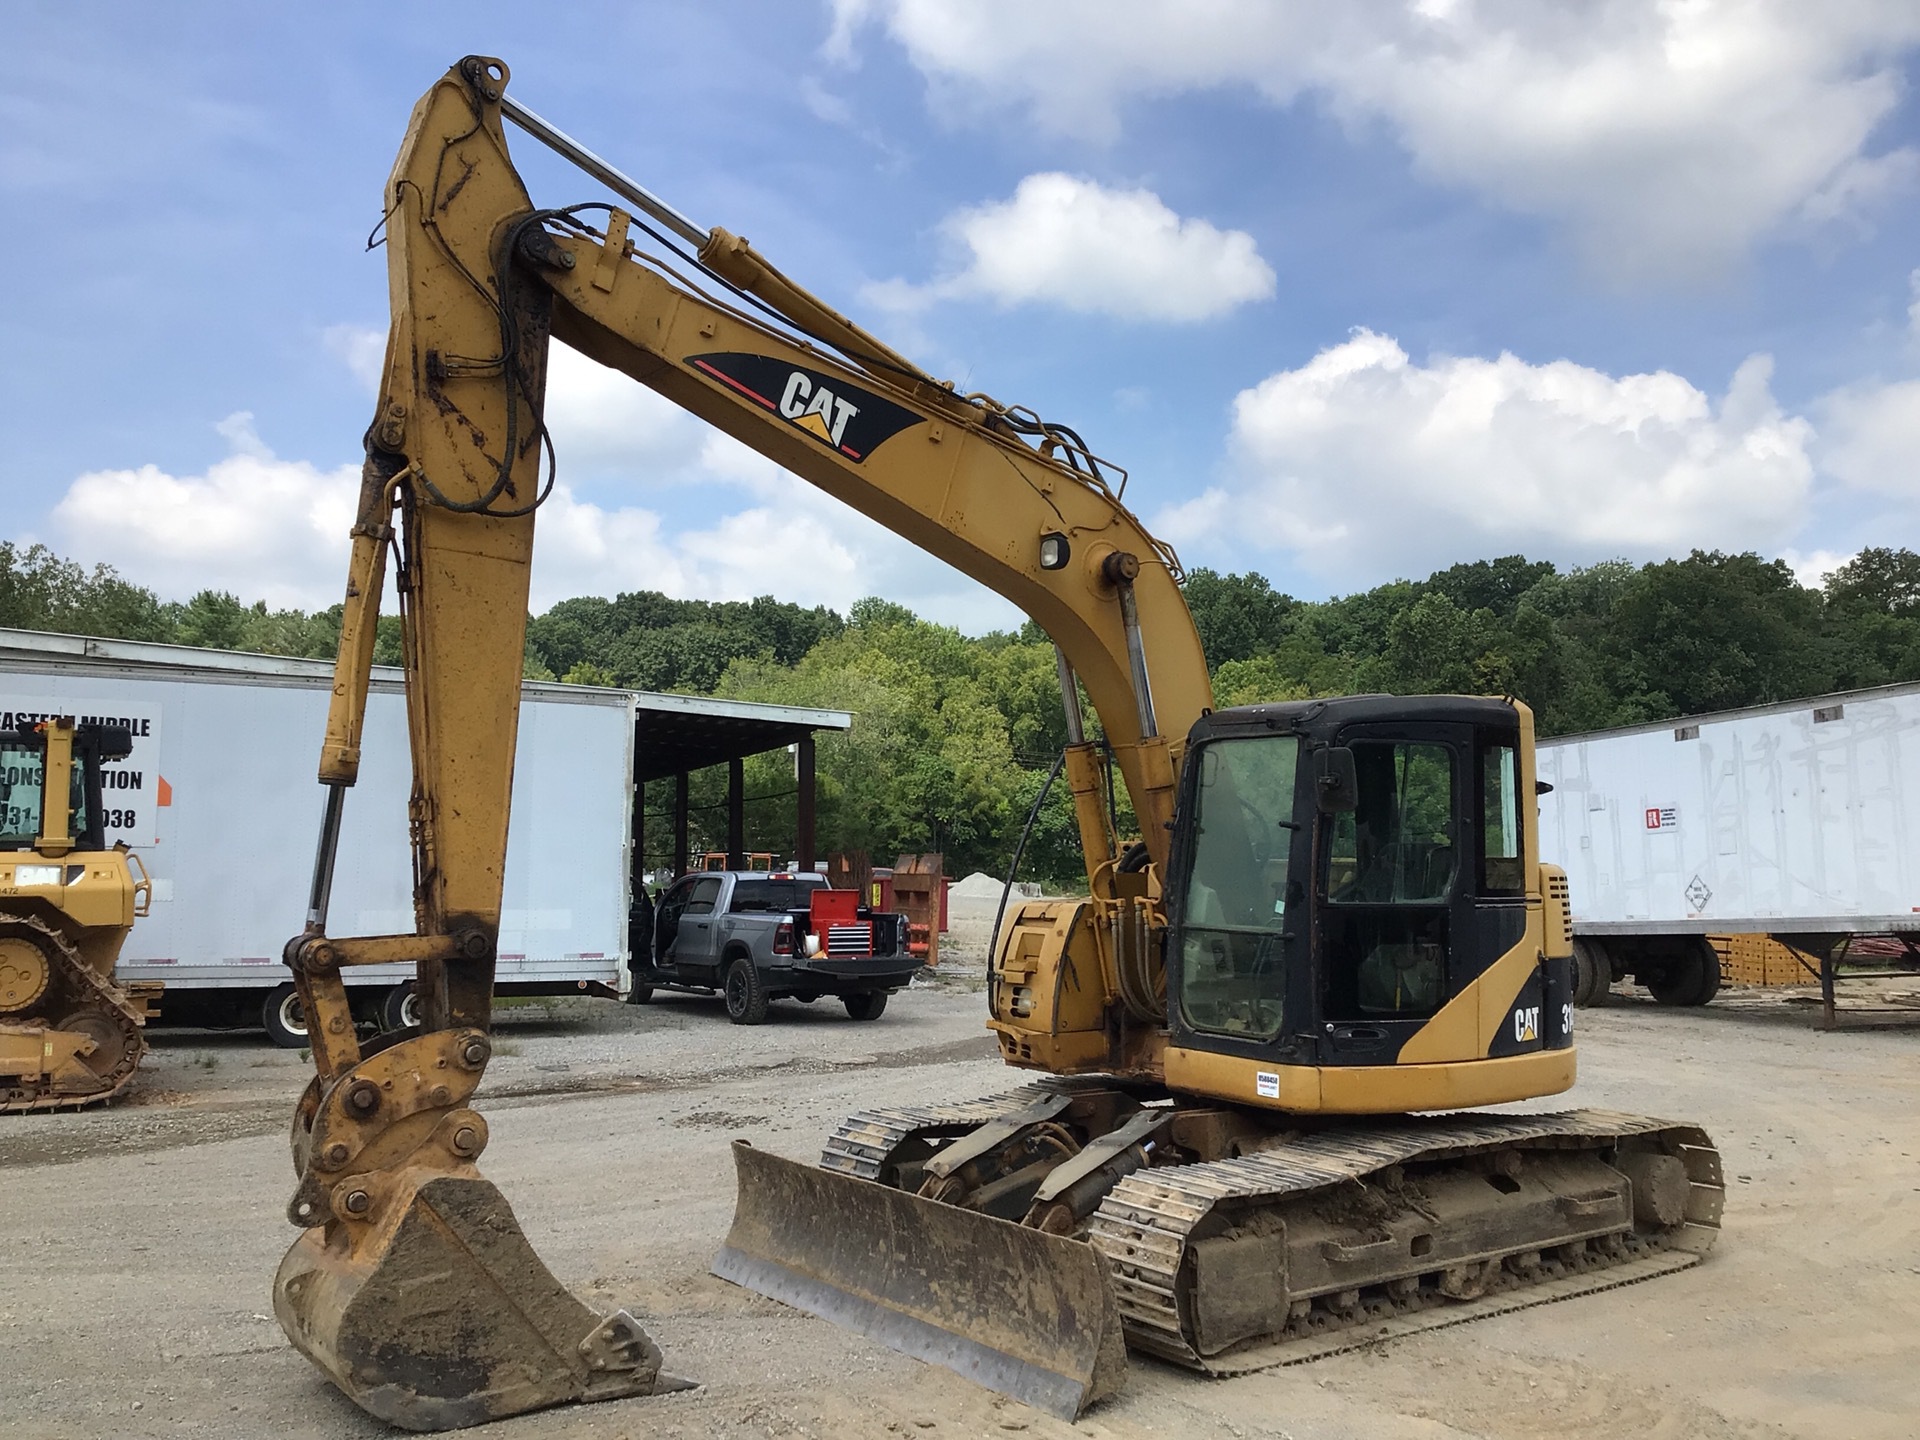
{"x":865,"y":1007}
{"x":746,"y":997}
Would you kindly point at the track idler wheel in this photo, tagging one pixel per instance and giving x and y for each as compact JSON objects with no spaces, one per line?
{"x":110,"y":1042}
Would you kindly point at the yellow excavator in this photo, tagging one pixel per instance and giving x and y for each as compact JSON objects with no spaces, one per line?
{"x":1334,"y":916}
{"x":69,"y":1034}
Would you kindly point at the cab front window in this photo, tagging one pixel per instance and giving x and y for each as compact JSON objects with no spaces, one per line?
{"x":1235,"y":927}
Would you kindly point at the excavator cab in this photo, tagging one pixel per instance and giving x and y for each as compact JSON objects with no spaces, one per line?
{"x":1343,"y":871}
{"x":69,"y":1036}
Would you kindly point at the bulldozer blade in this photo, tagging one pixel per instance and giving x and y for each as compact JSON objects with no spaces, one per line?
{"x":1022,"y":1312}
{"x":435,"y":1312}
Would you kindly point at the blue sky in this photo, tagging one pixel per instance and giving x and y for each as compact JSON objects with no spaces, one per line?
{"x":1353,"y":292}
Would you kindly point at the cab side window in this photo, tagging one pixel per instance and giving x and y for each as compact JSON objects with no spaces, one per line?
{"x":704,"y":893}
{"x":22,"y":771}
{"x":1501,"y":870}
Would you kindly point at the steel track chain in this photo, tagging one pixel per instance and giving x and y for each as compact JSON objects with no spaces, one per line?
{"x":1143,"y":1226}
{"x":84,"y":990}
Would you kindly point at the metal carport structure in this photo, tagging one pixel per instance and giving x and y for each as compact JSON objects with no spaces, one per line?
{"x":675,"y":735}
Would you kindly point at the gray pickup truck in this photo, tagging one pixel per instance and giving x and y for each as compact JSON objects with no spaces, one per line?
{"x":757,"y":937}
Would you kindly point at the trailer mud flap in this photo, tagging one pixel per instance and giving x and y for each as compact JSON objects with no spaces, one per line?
{"x":1028,"y":1314}
{"x":438,"y":1314}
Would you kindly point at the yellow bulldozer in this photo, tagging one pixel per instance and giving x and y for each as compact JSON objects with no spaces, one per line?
{"x":69,"y":1035}
{"x":1333,"y":918}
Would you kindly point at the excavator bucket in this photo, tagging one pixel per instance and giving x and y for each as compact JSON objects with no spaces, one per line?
{"x":1019,"y":1311}
{"x":436,"y":1313}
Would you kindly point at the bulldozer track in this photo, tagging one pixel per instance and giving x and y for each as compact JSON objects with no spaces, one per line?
{"x":80,"y":989}
{"x":1145,"y":1227}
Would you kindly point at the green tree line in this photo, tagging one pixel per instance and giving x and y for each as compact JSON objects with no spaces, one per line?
{"x":953,"y":735}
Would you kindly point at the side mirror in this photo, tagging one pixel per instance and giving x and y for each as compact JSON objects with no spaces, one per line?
{"x":1336,"y":786}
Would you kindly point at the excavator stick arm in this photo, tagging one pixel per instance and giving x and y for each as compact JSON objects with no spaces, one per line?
{"x":412,"y":1286}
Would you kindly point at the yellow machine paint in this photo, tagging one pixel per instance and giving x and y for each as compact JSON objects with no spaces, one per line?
{"x":1187,"y":1169}
{"x":69,"y":1035}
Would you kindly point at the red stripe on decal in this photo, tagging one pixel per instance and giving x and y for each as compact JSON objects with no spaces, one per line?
{"x":729,"y":380}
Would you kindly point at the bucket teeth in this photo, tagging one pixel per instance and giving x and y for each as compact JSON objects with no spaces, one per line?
{"x":436,"y":1313}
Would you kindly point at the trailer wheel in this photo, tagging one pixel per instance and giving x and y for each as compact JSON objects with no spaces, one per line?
{"x":400,"y":1008}
{"x":865,"y":1007}
{"x":746,"y":997}
{"x":284,"y":1018}
{"x":1693,"y":978}
{"x":1592,"y":972}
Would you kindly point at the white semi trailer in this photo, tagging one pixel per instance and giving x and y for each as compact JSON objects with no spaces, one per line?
{"x":1799,"y":820}
{"x":220,"y":799}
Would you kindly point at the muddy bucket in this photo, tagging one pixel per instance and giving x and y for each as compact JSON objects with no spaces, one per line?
{"x":1024,"y":1313}
{"x":433,"y":1312}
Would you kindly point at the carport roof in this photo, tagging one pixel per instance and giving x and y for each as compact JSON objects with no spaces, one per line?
{"x":673,"y":733}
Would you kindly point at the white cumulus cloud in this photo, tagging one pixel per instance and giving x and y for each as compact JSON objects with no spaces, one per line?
{"x":1870,"y":437}
{"x":1071,"y":242}
{"x":1666,"y":137}
{"x":259,"y":526}
{"x":1363,"y":465}
{"x":273,"y":529}
{"x":1812,"y":567}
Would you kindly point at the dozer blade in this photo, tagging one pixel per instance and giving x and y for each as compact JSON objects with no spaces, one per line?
{"x":1025,"y":1313}
{"x":436,"y":1313}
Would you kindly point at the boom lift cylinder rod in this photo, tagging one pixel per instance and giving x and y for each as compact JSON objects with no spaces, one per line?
{"x":1137,"y":659}
{"x":628,"y":189}
{"x":1070,"y":698}
{"x":322,"y":892}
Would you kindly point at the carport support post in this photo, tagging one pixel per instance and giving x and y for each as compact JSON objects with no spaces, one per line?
{"x":736,"y":814}
{"x":637,"y":868}
{"x":680,"y":824}
{"x":803,"y":778}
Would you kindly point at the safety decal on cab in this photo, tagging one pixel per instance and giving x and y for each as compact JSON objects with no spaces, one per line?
{"x":842,"y":417}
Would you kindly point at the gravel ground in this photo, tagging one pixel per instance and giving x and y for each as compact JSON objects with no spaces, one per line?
{"x":140,"y":1242}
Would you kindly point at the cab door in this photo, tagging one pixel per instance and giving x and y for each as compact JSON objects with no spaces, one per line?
{"x":1395,"y":890}
{"x":693,"y":938}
